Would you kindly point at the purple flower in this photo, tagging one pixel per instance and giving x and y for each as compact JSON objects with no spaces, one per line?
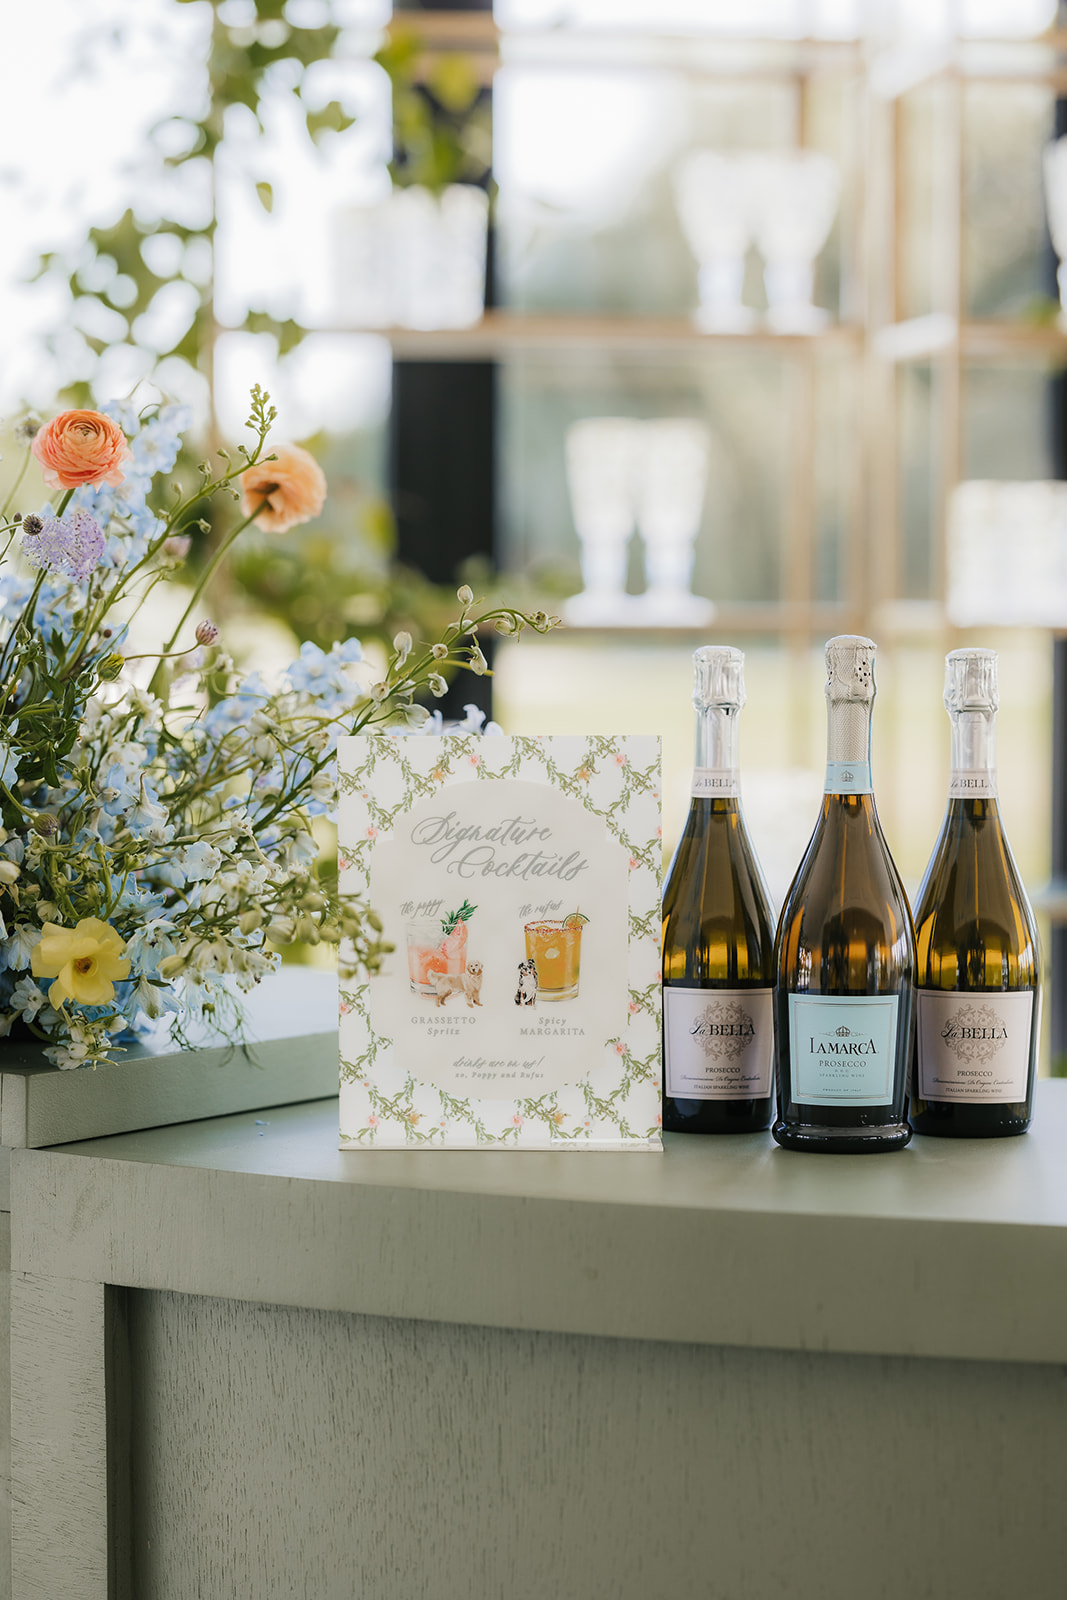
{"x":73,"y":544}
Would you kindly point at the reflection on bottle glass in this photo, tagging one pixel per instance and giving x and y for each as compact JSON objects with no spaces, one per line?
{"x":845,"y":949}
{"x":978,"y":1012}
{"x":718,"y":939}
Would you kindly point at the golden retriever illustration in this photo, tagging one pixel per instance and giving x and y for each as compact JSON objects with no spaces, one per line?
{"x":469,"y":982}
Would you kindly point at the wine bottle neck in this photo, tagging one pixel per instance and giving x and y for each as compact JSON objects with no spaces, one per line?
{"x":848,"y":746}
{"x":974,"y":767}
{"x":715,"y":773}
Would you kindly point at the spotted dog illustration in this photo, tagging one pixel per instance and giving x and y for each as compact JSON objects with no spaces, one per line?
{"x":468,"y":983}
{"x":526,"y":993}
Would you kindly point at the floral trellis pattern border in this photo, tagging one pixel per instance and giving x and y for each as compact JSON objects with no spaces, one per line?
{"x":617,"y":1102}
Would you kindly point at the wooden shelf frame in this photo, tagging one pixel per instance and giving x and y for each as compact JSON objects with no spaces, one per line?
{"x":877,"y":336}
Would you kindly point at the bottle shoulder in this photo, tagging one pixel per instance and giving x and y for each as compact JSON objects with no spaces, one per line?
{"x":847,"y":872}
{"x":974,"y":922}
{"x":718,"y":926}
{"x":715,"y":850}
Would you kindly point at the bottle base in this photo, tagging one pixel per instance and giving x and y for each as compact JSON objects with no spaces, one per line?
{"x":853,"y":1141}
{"x":940,"y":1130}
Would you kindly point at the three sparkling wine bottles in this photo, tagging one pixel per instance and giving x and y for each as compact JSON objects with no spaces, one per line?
{"x":852,"y":1006}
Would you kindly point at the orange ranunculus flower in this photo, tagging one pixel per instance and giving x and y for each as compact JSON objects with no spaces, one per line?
{"x":85,"y":961}
{"x":80,"y":447}
{"x":289,"y":489}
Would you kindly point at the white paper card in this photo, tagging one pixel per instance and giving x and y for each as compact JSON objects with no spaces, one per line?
{"x":519,"y":881}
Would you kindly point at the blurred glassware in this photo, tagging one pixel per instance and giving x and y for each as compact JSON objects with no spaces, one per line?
{"x":363,"y":272}
{"x":1055,"y":171}
{"x":714,"y":206}
{"x":671,"y":484}
{"x":1007,"y":555}
{"x":794,"y":194}
{"x":602,"y":455}
{"x":415,"y":259}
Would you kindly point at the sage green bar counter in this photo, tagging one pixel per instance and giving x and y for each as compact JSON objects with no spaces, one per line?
{"x":247,"y":1363}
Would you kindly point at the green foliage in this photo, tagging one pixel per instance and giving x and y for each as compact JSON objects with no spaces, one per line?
{"x":442,"y":129}
{"x":116,"y":276}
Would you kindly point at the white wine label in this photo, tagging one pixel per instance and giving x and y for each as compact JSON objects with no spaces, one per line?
{"x":848,"y":777}
{"x":980,"y":784}
{"x":974,"y":1048}
{"x":718,"y":1043}
{"x":842,"y":1049}
{"x":716,"y":783}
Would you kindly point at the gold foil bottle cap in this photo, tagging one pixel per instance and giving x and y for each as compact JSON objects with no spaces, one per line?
{"x":718,"y":677}
{"x":850,"y":668}
{"x":971,"y":680}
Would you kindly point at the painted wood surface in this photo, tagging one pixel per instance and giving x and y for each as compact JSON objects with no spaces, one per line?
{"x":506,"y":1375}
{"x":59,"y":1542}
{"x":291,"y":1055}
{"x":5,"y":1410}
{"x":280,"y":1452}
{"x":950,"y":1251}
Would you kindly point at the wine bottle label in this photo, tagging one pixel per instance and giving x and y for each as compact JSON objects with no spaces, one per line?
{"x":842,"y":1049}
{"x":848,"y":777}
{"x":718,"y":1043}
{"x":716,"y":783}
{"x":980,"y":784}
{"x":974,"y":1047}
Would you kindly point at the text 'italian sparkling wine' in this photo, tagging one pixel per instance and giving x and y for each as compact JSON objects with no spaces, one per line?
{"x":718,"y":934}
{"x":845,"y":949}
{"x":978,"y":974}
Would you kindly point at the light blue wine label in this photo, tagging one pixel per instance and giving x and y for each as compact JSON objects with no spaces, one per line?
{"x":848,"y":777}
{"x":842,"y":1049}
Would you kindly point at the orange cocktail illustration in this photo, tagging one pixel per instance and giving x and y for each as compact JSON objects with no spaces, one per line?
{"x":555,"y":948}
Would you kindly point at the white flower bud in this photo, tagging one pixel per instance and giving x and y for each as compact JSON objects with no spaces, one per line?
{"x":440,"y":652}
{"x":465,"y":595}
{"x":8,"y":870}
{"x":438,"y":686}
{"x":402,"y":645}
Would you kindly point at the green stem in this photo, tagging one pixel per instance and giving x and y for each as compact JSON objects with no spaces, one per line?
{"x":16,"y":485}
{"x":202,"y":583}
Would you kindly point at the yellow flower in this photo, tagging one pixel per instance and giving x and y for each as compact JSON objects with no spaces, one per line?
{"x":85,"y":961}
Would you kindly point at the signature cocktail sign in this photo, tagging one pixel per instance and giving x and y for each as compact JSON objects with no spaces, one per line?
{"x":518,"y":881}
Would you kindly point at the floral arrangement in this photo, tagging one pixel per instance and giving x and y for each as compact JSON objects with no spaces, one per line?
{"x":158,"y":842}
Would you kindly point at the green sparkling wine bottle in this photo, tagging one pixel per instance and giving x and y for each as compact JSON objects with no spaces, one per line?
{"x":978,"y":1000}
{"x":718,"y":934}
{"x":845,"y":950}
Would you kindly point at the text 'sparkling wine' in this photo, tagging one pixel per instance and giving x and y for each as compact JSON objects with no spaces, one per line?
{"x":978,"y":975}
{"x":718,"y":934}
{"x":845,"y":949}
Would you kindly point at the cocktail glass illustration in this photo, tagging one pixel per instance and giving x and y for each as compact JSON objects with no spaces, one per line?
{"x":429,"y":951}
{"x":555,"y":948}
